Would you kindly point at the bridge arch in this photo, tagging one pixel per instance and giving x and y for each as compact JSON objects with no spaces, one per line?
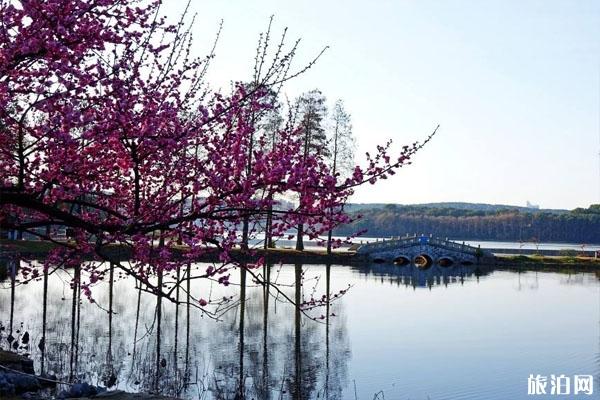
{"x":423,"y":260}
{"x":445,"y":261}
{"x":402,"y":260}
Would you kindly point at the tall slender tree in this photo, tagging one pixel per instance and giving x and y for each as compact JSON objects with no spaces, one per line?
{"x":312,"y":111}
{"x":342,"y":144}
{"x":272,"y":123}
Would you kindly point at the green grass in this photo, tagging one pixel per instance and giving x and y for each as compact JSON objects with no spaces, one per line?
{"x":27,"y":246}
{"x":36,"y":248}
{"x":553,"y":260}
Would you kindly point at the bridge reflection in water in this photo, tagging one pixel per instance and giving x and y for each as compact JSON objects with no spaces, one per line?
{"x":435,"y":275}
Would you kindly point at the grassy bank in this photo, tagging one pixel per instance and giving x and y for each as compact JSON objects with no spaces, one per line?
{"x":39,"y":249}
{"x":550,"y":263}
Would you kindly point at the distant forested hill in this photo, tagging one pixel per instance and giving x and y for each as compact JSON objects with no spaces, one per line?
{"x":450,"y":205}
{"x":467,"y":221}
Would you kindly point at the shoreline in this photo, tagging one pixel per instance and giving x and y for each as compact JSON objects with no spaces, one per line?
{"x":33,"y":249}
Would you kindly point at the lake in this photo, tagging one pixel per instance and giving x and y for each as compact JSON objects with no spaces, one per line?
{"x":396,"y":333}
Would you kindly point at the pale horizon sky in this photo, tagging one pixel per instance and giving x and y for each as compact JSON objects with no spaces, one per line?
{"x":514,"y":85}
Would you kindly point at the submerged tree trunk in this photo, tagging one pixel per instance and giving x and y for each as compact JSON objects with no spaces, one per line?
{"x":327,"y":314}
{"x":42,"y":345}
{"x":187,"y":318}
{"x":159,"y":295}
{"x":241,"y":385}
{"x":158,"y":329}
{"x":266,"y":294}
{"x":78,"y":320}
{"x":110,"y":308}
{"x":177,"y":274}
{"x":137,"y":321}
{"x":13,"y":279}
{"x":297,"y":335}
{"x":74,"y":344}
{"x":110,"y":378}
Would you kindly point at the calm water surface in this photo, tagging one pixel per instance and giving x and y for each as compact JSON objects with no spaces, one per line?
{"x":444,"y":333}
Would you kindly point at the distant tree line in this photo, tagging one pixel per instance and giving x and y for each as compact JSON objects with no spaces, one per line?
{"x":579,"y":225}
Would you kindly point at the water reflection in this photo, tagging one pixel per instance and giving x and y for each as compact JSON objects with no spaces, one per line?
{"x":129,"y":338}
{"x":412,"y":275}
{"x":265,"y":348}
{"x":274,"y":358}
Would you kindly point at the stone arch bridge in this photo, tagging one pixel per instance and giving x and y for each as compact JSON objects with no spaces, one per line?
{"x":422,"y":251}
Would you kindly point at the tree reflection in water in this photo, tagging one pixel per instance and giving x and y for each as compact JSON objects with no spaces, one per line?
{"x":264,"y":347}
{"x":280,"y":352}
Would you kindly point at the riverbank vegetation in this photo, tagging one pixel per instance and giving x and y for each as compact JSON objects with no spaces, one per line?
{"x":581,"y":225}
{"x":591,"y":262}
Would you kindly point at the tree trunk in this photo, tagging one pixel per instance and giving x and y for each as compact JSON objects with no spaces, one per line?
{"x":159,"y":295}
{"x":268,"y":243}
{"x":137,"y":321}
{"x":329,"y":234}
{"x":241,"y":385}
{"x":110,"y":307}
{"x":266,"y":294}
{"x":300,"y":238}
{"x":158,"y":329}
{"x":245,"y":229}
{"x":327,"y":313}
{"x":42,"y":344}
{"x":297,"y":335}
{"x":13,"y":278}
{"x":187,"y":318}
{"x":176,"y":319}
{"x":74,"y":344}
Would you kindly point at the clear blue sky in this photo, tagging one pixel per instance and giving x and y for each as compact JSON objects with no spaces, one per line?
{"x":513,"y":84}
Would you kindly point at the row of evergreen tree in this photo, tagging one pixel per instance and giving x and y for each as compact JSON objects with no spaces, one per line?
{"x":577,"y":226}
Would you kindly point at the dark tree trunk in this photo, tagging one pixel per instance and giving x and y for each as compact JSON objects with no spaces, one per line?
{"x":329,"y":234}
{"x":300,"y":238}
{"x":158,"y":329}
{"x":297,"y":335}
{"x":327,"y":313}
{"x":42,"y":344}
{"x":176,"y":318}
{"x":74,"y":344}
{"x":241,"y":384}
{"x":187,"y":318}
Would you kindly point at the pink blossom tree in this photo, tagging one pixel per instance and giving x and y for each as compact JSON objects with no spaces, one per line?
{"x":108,"y":128}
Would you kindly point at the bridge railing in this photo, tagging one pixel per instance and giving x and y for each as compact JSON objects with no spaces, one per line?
{"x":391,"y":243}
{"x":417,"y":240}
{"x":455,"y":246}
